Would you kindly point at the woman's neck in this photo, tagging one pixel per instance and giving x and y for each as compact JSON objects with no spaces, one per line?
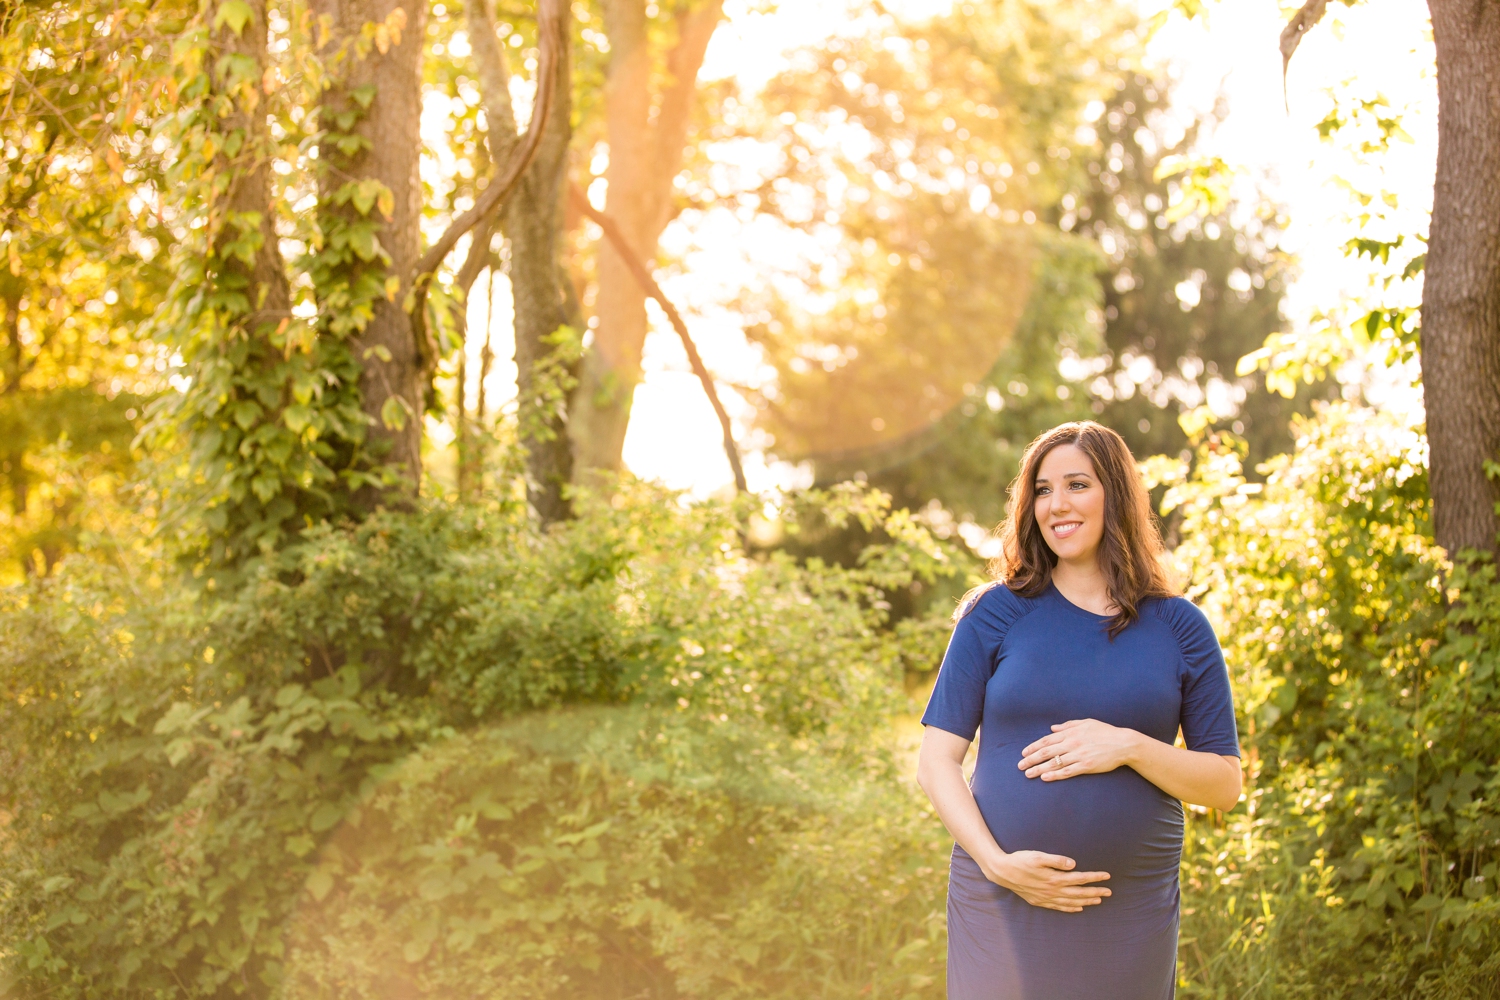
{"x":1083,"y":583}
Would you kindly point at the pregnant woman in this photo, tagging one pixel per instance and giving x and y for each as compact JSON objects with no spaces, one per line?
{"x":1078,"y":668}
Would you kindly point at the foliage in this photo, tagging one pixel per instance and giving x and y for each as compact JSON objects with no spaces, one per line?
{"x":616,"y":852}
{"x":1365,"y":858}
{"x":1383,"y":325}
{"x":420,"y":753}
{"x":923,"y":155}
{"x":1194,"y":281}
{"x":443,"y":750}
{"x":82,"y":253}
{"x":993,"y":150}
{"x":192,"y":776}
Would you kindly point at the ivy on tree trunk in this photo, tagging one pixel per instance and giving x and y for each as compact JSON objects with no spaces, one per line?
{"x":371,"y":151}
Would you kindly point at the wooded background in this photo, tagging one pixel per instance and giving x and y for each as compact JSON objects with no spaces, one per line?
{"x":326,"y":672}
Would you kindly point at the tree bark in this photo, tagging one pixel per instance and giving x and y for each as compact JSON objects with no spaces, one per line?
{"x":644,"y":157}
{"x":1461,"y":293}
{"x":249,"y":190}
{"x":531,"y":220}
{"x":386,"y":347}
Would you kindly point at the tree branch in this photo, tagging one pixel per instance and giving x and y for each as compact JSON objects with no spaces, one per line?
{"x":694,"y":30}
{"x":1291,"y":36}
{"x":552,"y":38}
{"x":648,"y":284}
{"x":494,"y":80}
{"x":477,"y":257}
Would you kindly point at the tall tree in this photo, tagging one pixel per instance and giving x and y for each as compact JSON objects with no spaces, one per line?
{"x":371,"y":113}
{"x":1460,"y":326}
{"x":926,"y":151}
{"x":1188,"y":288}
{"x":1461,"y":292}
{"x":647,"y":128}
{"x":1000,"y":214}
{"x":548,"y":327}
{"x":546,"y":322}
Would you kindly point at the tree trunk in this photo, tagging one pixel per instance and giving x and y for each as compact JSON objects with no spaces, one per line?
{"x":248,"y":195}
{"x":1461,"y":293}
{"x":379,"y":84}
{"x":12,"y":367}
{"x":531,"y":221}
{"x":245,"y":208}
{"x":644,"y":157}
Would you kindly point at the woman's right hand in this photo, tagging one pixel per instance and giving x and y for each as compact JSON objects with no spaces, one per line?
{"x":1048,"y":880}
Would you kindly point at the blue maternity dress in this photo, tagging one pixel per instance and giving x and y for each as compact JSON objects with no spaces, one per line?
{"x":1016,"y":666}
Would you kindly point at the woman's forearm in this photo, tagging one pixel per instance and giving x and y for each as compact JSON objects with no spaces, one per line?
{"x":1203,"y":779}
{"x":943,"y":781}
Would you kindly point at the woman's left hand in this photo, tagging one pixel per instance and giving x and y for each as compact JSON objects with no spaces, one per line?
{"x":1081,"y":746}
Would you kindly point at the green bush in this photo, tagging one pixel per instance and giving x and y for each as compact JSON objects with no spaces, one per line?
{"x":443,"y":752}
{"x":1364,"y":860}
{"x":358,"y":770}
{"x":618,"y":852}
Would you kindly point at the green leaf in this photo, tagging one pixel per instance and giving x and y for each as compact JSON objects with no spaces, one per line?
{"x":235,"y":13}
{"x":362,"y":242}
{"x":245,"y":413}
{"x":57,"y":883}
{"x":363,"y":196}
{"x":265,"y":486}
{"x":319,"y":883}
{"x":325,"y":817}
{"x":393,"y":413}
{"x":582,"y":835}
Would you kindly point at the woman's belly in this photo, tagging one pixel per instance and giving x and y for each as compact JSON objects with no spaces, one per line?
{"x":1116,"y":822}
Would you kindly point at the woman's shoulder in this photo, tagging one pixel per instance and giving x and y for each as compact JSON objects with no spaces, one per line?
{"x":996,"y":605}
{"x":1189,"y":625}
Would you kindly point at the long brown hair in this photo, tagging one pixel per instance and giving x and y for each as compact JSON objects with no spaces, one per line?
{"x":1131,"y":554}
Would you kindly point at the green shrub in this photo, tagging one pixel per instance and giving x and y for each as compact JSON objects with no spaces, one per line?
{"x":618,"y":852}
{"x":442,"y":752}
{"x":1364,"y":860}
{"x":252,"y":790}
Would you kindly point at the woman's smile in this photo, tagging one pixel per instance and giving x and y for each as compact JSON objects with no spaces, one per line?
{"x":1062,"y":529}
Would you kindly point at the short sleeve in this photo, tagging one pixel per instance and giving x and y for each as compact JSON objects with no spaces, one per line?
{"x":957,"y":702}
{"x":1207,"y":702}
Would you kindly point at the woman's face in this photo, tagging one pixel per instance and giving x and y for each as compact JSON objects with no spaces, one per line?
{"x":1069,"y":504}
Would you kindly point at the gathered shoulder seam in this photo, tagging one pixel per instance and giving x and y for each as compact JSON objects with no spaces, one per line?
{"x":1027,"y":606}
{"x":1173,"y":620}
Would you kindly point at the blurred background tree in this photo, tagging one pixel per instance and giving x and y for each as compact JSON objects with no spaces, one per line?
{"x":1011,"y":254}
{"x":85,"y":243}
